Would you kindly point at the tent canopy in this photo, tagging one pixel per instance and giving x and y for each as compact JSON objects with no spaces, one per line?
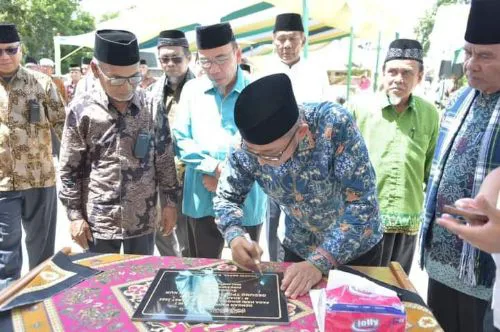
{"x":252,"y":21}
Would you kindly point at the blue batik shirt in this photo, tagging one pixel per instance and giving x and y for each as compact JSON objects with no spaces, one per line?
{"x":327,"y":188}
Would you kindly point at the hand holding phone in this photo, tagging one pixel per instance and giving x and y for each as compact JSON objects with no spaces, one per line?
{"x":469,"y":214}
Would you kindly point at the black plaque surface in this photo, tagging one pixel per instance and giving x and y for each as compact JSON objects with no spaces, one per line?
{"x":214,"y":296}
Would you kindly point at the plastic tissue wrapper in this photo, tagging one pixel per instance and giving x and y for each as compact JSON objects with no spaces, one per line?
{"x":353,"y":303}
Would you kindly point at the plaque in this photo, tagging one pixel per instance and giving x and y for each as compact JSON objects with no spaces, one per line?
{"x":214,"y":296}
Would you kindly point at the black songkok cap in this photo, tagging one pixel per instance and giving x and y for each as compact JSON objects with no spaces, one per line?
{"x":116,"y":47}
{"x":172,"y":38}
{"x":405,"y":49}
{"x":266,"y":109}
{"x":288,"y":22}
{"x":8,"y":33}
{"x":212,"y":36}
{"x":143,"y":62}
{"x":86,"y":61}
{"x":483,"y":26}
{"x":74,"y":66}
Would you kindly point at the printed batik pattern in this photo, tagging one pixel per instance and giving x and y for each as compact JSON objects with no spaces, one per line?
{"x":327,"y":189}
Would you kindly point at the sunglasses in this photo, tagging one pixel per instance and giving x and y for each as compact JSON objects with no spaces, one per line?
{"x":175,"y":59}
{"x":9,"y":50}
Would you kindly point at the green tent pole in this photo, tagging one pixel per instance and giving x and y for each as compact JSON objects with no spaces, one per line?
{"x":375,"y":76}
{"x":349,"y":65}
{"x":305,"y":23}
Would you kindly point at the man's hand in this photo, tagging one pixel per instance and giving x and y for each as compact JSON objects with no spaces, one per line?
{"x":481,"y":235}
{"x":80,"y":233}
{"x":168,"y":220}
{"x":210,"y":183}
{"x":246,"y":254}
{"x":300,"y":278}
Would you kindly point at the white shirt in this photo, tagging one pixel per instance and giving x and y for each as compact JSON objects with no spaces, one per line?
{"x":310,"y":83}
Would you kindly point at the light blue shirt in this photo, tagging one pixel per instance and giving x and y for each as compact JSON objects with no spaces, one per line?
{"x":205,"y":133}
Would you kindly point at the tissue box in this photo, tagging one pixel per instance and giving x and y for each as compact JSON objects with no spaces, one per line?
{"x":349,"y":308}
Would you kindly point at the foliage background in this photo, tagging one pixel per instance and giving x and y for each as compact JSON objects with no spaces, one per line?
{"x":38,"y":21}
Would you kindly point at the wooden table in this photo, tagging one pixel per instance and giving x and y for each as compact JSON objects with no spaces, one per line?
{"x":106,"y":302}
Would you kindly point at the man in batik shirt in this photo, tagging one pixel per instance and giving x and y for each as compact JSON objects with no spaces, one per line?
{"x":116,"y":156}
{"x":174,"y":55}
{"x":29,"y":106}
{"x":316,"y":167}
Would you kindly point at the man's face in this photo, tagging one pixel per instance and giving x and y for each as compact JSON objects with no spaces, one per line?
{"x":85,"y":68}
{"x":220,"y":64}
{"x":47,"y":70}
{"x":115,"y":80}
{"x":143,"y":69}
{"x":400,"y":78}
{"x":482,"y":66}
{"x":10,"y":58}
{"x":75,"y":74}
{"x":174,"y":62}
{"x":288,"y":45}
{"x":279,"y":151}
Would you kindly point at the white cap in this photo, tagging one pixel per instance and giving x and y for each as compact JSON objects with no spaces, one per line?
{"x":46,"y":62}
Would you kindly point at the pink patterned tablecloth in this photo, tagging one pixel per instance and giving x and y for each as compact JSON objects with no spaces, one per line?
{"x":106,"y":302}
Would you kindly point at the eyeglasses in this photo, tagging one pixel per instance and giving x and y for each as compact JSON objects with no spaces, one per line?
{"x":276,"y":157}
{"x":9,"y":50}
{"x":206,"y":63}
{"x":117,"y":81}
{"x":175,"y":59}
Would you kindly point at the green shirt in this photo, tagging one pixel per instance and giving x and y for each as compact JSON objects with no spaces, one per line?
{"x":401,"y":147}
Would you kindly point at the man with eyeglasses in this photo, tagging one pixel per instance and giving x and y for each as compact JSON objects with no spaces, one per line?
{"x":313,"y":162}
{"x":29,"y":107}
{"x":117,"y":156}
{"x":205,"y":133}
{"x":309,"y":85}
{"x":174,"y":56}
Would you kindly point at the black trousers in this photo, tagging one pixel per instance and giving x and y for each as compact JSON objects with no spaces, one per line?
{"x":141,"y":245}
{"x":206,"y":241}
{"x":454,"y":310}
{"x":370,"y":258}
{"x":400,"y":248}
{"x":488,"y":325}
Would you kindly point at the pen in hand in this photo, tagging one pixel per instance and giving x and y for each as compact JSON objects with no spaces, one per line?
{"x":256,"y":260}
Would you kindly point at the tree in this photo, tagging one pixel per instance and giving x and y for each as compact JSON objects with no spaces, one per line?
{"x":38,"y":21}
{"x":426,"y":23}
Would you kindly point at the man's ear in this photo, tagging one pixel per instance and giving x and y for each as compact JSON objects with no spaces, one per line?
{"x":94,"y":68}
{"x":303,"y":129}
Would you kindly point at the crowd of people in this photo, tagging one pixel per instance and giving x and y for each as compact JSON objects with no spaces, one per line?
{"x":190,"y":161}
